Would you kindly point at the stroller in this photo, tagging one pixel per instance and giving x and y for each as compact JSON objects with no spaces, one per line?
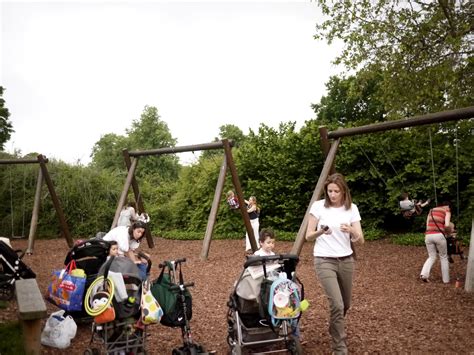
{"x":173,"y":295}
{"x":89,"y":255}
{"x":264,"y":307}
{"x":120,"y":286}
{"x":11,"y":268}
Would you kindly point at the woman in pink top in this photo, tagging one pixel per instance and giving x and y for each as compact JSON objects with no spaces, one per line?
{"x":438,"y":224}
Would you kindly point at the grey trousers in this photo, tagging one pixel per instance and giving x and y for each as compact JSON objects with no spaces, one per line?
{"x":336,"y":280}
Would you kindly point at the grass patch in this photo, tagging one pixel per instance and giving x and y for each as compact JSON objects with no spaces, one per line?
{"x":12,"y":341}
{"x":410,"y":239}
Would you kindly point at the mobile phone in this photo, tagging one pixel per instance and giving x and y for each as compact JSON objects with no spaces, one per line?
{"x":324,"y":228}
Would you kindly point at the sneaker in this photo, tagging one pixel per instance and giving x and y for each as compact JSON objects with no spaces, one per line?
{"x":424,"y":279}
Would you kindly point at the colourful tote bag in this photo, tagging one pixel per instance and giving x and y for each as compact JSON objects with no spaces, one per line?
{"x":151,"y":309}
{"x":65,"y":290}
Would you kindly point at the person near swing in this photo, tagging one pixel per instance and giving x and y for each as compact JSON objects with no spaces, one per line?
{"x":438,"y":224}
{"x":128,"y":240}
{"x":411,"y":207}
{"x":333,"y":223}
{"x":254,"y":212}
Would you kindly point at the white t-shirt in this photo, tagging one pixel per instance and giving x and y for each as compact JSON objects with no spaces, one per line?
{"x":338,"y":243}
{"x":407,"y":205}
{"x":261,"y":252}
{"x":121,"y":236}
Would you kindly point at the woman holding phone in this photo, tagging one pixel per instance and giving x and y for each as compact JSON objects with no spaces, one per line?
{"x":333,"y":224}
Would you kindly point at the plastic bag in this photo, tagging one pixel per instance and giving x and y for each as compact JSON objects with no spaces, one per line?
{"x":58,"y":330}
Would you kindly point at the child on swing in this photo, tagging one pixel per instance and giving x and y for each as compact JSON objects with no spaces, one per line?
{"x":232,"y":200}
{"x":410,"y":207}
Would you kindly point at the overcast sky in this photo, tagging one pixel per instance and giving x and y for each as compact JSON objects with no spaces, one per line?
{"x":74,"y":71}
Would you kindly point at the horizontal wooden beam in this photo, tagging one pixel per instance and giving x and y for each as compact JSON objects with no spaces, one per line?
{"x":182,"y":149}
{"x":432,"y":118}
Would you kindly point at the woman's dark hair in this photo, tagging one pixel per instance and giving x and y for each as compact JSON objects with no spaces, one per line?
{"x":446,"y":203}
{"x":339,"y":180}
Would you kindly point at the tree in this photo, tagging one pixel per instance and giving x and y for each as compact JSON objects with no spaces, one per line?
{"x":6,"y":128}
{"x":421,"y":49}
{"x":107,"y":152}
{"x":150,"y":132}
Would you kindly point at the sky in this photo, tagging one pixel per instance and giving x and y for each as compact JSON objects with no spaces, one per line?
{"x":75,"y":71}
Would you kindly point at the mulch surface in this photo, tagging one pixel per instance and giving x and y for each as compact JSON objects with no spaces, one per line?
{"x":392,"y":310}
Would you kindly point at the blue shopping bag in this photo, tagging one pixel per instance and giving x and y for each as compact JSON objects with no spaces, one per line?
{"x":65,"y":290}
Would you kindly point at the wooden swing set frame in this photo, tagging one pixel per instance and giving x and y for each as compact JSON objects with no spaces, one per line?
{"x":43,"y":174}
{"x":131,"y":162}
{"x":330,"y":150}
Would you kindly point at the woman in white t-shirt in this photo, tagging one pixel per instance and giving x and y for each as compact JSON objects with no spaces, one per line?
{"x":333,"y":223}
{"x":128,"y":240}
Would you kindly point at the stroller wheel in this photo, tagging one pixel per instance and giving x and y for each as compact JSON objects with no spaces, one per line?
{"x":295,"y":347}
{"x":6,"y":292}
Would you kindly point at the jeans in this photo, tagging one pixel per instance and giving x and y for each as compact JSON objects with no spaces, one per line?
{"x":336,"y":280}
{"x":436,"y":243}
{"x":142,"y":270}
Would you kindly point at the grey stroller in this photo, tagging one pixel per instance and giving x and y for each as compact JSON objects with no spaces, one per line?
{"x":255,"y":309}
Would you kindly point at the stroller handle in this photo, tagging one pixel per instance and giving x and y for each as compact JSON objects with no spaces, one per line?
{"x":185,"y":285}
{"x":166,"y":262}
{"x":260,"y":260}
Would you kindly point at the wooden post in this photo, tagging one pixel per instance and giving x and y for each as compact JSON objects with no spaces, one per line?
{"x":325,"y":145}
{"x":138,"y":197}
{"x":126,"y":188}
{"x":240,"y":195}
{"x":54,"y":198}
{"x":469,"y":284}
{"x":35,"y":213}
{"x":211,"y":221}
{"x":300,"y":237}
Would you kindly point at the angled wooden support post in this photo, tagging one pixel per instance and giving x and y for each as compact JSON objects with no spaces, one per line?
{"x":138,"y":197}
{"x":211,"y":221}
{"x":35,"y":213}
{"x":55,"y":199}
{"x":300,"y":237}
{"x":240,"y":195}
{"x":126,"y":188}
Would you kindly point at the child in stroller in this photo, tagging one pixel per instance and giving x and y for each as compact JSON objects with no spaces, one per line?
{"x":11,"y":268}
{"x":265,"y":305}
{"x":114,"y":299}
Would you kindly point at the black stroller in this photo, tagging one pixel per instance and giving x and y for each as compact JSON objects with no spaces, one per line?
{"x":11,"y":268}
{"x":124,"y":334}
{"x":253,"y":319}
{"x":173,"y":295}
{"x":89,"y":255}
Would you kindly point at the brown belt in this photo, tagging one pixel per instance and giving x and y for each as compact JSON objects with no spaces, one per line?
{"x":340,"y":258}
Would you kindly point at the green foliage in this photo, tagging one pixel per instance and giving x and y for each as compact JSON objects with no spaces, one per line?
{"x":280,"y":168}
{"x":421,"y":50}
{"x":412,"y":239}
{"x":373,"y":234}
{"x":107,"y":152}
{"x":6,"y":128}
{"x":12,"y":340}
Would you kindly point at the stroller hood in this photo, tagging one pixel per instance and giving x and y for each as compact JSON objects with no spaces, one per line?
{"x":123,"y":265}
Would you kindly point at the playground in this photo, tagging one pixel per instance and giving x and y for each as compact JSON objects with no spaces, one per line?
{"x":392,"y":310}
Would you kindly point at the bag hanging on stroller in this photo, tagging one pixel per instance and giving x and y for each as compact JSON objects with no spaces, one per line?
{"x":164,"y":289}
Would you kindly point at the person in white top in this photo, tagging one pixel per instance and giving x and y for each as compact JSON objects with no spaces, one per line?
{"x":267,"y":243}
{"x":334,"y":223}
{"x":128,"y":240}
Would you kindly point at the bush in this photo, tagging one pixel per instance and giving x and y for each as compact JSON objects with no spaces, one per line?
{"x":413,"y":239}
